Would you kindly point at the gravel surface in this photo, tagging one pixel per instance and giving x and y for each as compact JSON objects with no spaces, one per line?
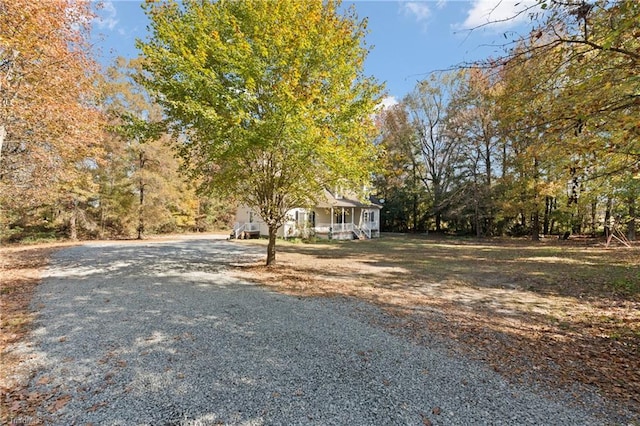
{"x":159,"y":333}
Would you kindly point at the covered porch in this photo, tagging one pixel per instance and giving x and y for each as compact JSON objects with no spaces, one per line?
{"x":346,"y":223}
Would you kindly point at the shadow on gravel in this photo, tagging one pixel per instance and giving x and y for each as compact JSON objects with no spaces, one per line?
{"x":160,"y":334}
{"x":132,"y":325}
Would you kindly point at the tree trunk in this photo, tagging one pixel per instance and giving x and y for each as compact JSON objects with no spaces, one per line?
{"x":141,"y":184}
{"x":607,"y":217}
{"x":488,"y":195}
{"x":3,"y":133}
{"x":535,"y":220}
{"x":594,"y":206}
{"x":73,"y":221}
{"x":548,"y":206}
{"x":535,"y":227}
{"x":415,"y":213}
{"x":631,"y":223}
{"x":140,"y":228}
{"x":271,"y":247}
{"x":476,"y":214}
{"x":141,"y":211}
{"x":476,"y":209}
{"x":414,"y":184}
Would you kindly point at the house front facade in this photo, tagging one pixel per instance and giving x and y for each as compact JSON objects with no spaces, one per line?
{"x":335,"y":217}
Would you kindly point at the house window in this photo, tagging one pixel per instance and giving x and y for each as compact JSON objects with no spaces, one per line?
{"x":250,"y":217}
{"x":372,"y":215}
{"x":339,"y":217}
{"x":312,"y":219}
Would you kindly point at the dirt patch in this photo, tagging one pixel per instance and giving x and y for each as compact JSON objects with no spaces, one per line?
{"x":556,"y":313}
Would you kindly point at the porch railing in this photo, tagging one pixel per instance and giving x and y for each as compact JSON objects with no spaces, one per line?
{"x":239,"y":228}
{"x":366,"y":230}
{"x":336,"y":227}
{"x":345,"y":227}
{"x":341,"y":228}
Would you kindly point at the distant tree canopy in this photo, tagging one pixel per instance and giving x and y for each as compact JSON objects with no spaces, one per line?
{"x":141,"y":189}
{"x":268,"y":97}
{"x":544,"y":140}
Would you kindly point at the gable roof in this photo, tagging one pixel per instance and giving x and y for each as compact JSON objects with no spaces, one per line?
{"x":329,"y":200}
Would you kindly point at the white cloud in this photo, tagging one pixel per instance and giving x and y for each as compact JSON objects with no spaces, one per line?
{"x":419,"y":11}
{"x":387,"y":102}
{"x":497,"y":13}
{"x":107,"y":16}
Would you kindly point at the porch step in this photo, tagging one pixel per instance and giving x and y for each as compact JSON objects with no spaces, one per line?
{"x":359,"y":233}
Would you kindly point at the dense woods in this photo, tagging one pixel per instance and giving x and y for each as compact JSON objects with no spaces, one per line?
{"x":49,"y":122}
{"x":83,"y":153}
{"x":544,"y":140}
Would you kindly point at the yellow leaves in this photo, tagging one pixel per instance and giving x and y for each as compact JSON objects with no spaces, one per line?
{"x":47,"y":93}
{"x":282,"y":78}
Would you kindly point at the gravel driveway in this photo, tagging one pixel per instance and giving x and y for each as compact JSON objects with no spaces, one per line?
{"x":159,"y":333}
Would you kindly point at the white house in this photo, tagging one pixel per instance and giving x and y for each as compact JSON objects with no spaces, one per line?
{"x":335,"y":217}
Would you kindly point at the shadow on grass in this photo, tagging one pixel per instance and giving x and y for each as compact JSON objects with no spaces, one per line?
{"x":562,"y":312}
{"x":548,"y":269}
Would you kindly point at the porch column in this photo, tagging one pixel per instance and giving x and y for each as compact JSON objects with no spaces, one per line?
{"x":332,"y":218}
{"x":353,"y":213}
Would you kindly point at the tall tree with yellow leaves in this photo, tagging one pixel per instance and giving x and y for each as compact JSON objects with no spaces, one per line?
{"x":48,"y":123}
{"x":269,"y":96}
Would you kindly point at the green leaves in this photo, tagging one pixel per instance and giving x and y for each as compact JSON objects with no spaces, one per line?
{"x":269,"y":97}
{"x":263,"y":76}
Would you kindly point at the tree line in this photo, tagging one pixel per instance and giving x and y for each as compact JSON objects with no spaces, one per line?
{"x":265,"y":103}
{"x":260,"y":103}
{"x":545,"y":140}
{"x":83,"y":151}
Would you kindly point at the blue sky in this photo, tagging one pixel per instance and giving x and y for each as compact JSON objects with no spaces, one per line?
{"x":410,"y":38}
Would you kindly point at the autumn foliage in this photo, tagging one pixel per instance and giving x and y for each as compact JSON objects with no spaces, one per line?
{"x":48,"y":121}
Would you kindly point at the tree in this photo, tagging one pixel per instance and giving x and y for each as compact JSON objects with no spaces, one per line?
{"x":588,"y":120}
{"x":399,"y":180}
{"x":537,"y":156}
{"x":140,"y":182}
{"x":472,"y":116}
{"x":269,"y":98}
{"x":427,"y":106}
{"x":48,"y":121}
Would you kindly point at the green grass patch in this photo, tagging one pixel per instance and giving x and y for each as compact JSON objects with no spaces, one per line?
{"x":628,"y":285}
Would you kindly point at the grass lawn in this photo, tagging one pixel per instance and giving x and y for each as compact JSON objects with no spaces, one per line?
{"x":559,"y":313}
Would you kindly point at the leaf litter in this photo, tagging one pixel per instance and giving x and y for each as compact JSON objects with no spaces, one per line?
{"x":560,"y":322}
{"x":559,"y":316}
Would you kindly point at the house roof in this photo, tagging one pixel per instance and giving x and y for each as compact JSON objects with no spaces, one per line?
{"x":347,"y":200}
